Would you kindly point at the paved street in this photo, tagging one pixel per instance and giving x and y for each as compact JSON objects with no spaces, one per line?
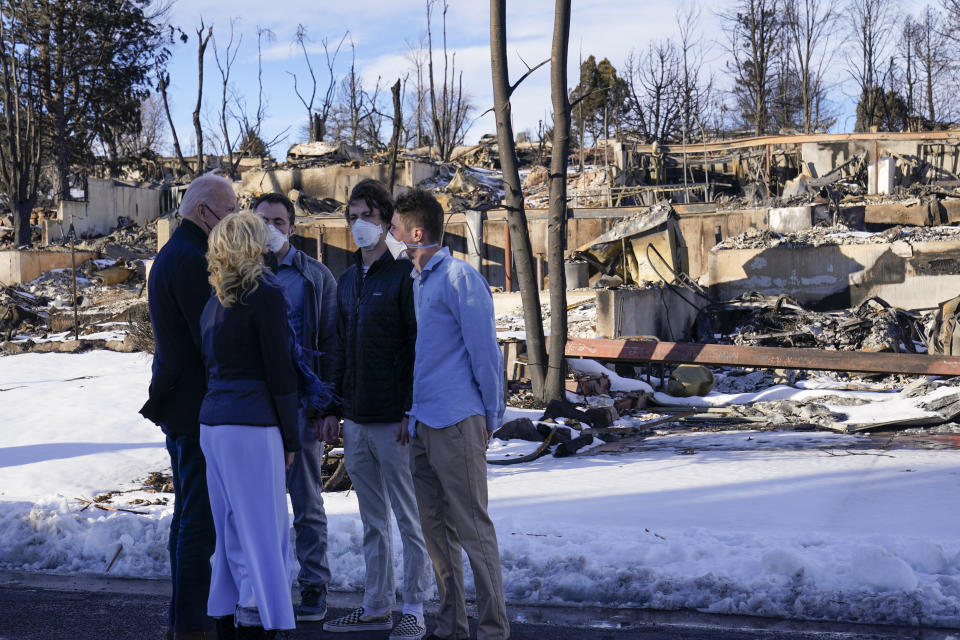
{"x":37,"y":607}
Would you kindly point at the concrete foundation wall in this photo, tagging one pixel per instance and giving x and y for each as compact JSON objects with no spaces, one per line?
{"x":657,"y":312}
{"x":10,"y":268}
{"x":483,"y":243}
{"x":909,"y":276}
{"x":791,"y":219}
{"x":416,"y":172}
{"x":335,"y":181}
{"x":702,"y":231}
{"x":107,"y":201}
{"x":19,"y":266}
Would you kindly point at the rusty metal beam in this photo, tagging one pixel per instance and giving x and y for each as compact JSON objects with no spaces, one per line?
{"x":762,"y":357}
{"x":760,"y":141}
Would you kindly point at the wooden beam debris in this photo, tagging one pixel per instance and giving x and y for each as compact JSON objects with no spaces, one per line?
{"x":762,"y":357}
{"x":761,"y":141}
{"x":106,"y":507}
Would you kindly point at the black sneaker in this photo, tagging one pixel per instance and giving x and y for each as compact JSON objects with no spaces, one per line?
{"x":254,"y":633}
{"x":410,"y":627}
{"x":313,"y":605}
{"x":356,"y":620}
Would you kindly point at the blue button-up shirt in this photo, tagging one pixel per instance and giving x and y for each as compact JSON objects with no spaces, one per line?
{"x":295,"y":288}
{"x":458,"y":369}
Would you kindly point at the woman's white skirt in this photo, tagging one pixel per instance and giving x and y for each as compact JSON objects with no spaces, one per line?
{"x":253,"y":563}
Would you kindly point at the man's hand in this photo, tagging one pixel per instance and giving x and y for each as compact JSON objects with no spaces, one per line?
{"x":330,"y":430}
{"x":288,"y":458}
{"x":316,"y":424}
{"x":489,"y":435}
{"x":403,"y":431}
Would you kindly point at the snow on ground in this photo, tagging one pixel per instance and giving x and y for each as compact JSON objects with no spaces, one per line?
{"x":581,"y":314}
{"x":805,"y":525}
{"x":878,"y":407}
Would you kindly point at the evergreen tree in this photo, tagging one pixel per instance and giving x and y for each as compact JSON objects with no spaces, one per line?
{"x":601,"y":101}
{"x":754,"y":29}
{"x":73,"y":73}
{"x":253,"y":144}
{"x":92,"y":70}
{"x":885,"y":110}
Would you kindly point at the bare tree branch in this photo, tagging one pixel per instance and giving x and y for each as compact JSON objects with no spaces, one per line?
{"x":516,"y":84}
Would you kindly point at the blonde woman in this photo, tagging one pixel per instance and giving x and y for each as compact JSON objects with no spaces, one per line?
{"x":248,"y":429}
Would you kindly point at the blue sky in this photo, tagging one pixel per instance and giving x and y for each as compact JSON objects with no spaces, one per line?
{"x":382,"y":31}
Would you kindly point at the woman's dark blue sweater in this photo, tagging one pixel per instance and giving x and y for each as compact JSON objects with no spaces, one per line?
{"x":251,"y":373}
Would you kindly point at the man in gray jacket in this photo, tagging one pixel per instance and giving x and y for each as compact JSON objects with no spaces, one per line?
{"x":311,"y":291}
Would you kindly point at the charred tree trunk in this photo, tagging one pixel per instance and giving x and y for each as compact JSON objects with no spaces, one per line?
{"x":202,"y":41}
{"x":224,"y":127}
{"x":22,"y":130}
{"x":516,"y":216}
{"x":53,"y":83}
{"x":930,"y":59}
{"x":557,"y":217}
{"x":163,"y":81}
{"x":21,"y":222}
{"x":60,"y":118}
{"x":62,"y":169}
{"x":395,"y":138}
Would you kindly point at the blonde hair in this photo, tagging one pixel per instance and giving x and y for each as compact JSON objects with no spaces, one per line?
{"x":235,"y":256}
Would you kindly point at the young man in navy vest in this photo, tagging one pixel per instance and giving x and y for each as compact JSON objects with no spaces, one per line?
{"x":377,"y":331}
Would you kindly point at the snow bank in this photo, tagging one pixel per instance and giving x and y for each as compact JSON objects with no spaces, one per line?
{"x":773,"y":524}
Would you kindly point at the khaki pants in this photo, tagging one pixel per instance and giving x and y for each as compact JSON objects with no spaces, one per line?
{"x":450,"y":480}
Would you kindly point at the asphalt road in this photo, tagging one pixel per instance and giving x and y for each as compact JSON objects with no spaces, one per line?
{"x":50,"y":608}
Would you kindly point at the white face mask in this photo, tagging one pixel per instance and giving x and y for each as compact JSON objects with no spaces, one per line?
{"x":365,"y":234}
{"x":410,"y":245}
{"x":275,"y":239}
{"x":396,"y":247}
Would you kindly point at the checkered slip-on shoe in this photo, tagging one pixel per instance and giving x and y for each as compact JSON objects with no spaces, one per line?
{"x":409,"y":628}
{"x":357,"y":621}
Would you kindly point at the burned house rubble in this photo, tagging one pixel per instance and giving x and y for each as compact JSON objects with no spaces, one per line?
{"x":100,"y":304}
{"x":838,"y":234}
{"x":760,"y":249}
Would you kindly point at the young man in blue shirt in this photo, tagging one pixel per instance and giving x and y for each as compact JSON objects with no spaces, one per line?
{"x":457,"y":404}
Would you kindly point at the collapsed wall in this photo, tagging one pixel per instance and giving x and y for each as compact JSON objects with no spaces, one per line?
{"x":107,"y":204}
{"x":910,"y":268}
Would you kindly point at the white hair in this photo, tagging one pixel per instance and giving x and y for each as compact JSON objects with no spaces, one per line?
{"x":203,"y":190}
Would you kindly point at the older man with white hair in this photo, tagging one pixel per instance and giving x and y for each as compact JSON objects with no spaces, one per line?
{"x":178,"y":290}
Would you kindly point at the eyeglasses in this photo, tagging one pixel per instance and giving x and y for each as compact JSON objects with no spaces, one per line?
{"x":212,"y":212}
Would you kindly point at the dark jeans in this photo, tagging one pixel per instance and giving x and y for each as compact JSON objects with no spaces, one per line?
{"x":192,"y":537}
